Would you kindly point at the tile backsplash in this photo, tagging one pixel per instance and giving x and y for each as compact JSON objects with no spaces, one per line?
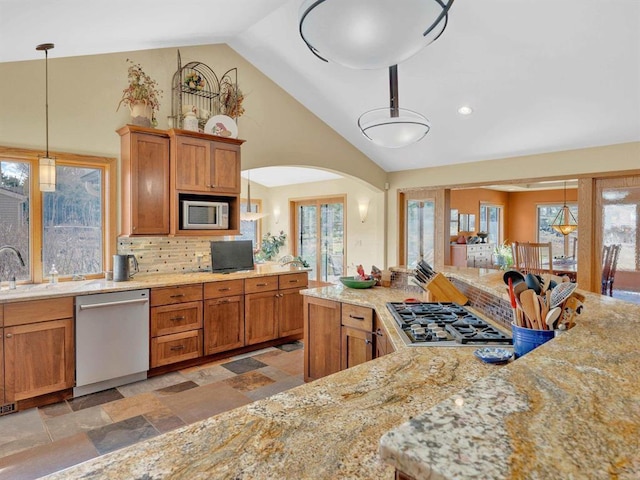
{"x":168,"y":254}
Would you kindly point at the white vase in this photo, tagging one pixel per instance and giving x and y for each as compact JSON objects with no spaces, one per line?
{"x":141,"y":114}
{"x":190,"y":122}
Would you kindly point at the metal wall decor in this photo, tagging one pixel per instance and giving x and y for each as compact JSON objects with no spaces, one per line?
{"x":196,"y":88}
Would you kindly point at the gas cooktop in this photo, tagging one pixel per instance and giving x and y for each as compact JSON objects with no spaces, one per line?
{"x":444,"y":324}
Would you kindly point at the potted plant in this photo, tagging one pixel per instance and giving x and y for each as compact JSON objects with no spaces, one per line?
{"x":271,"y":245}
{"x":503,"y":256}
{"x":142,"y":96}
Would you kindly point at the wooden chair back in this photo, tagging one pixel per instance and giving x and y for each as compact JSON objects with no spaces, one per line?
{"x":610,"y":254}
{"x":533,"y":258}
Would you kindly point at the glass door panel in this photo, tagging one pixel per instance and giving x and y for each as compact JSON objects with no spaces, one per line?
{"x":420,"y":231}
{"x":307,"y":237}
{"x":332,"y":241}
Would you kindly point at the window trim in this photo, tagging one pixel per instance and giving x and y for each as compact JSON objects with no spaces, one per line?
{"x":109,"y":199}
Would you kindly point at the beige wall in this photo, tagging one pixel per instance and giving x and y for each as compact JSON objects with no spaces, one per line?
{"x":365,"y":241}
{"x":84,"y":93}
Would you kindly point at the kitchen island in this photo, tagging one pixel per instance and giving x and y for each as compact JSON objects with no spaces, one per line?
{"x":571,"y":402}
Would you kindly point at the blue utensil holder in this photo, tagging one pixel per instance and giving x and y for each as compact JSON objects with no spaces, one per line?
{"x":526,"y":339}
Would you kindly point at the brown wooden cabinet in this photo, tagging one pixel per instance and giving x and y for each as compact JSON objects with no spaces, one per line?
{"x":382,"y":343}
{"x":340,"y":335}
{"x":145,"y":181}
{"x":357,"y":336}
{"x":273,"y":307}
{"x":322,"y":337}
{"x":223,"y":316}
{"x":176,"y":324}
{"x":37,"y":348}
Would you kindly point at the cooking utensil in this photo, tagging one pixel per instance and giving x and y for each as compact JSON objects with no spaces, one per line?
{"x":561,"y":293}
{"x":515,"y":276}
{"x":544,"y":309}
{"x":514,"y":305}
{"x":530,"y":306}
{"x":552,"y":316}
{"x":533,"y":283}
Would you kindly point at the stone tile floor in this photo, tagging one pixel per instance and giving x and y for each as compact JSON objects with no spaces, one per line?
{"x":40,"y":441}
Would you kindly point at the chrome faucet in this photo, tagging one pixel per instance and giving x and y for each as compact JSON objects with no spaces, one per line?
{"x":14,"y":250}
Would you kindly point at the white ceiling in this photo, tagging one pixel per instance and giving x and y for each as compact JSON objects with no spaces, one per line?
{"x":541,"y":75}
{"x":281,"y":176}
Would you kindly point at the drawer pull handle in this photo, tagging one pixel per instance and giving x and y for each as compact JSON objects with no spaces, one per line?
{"x":177,"y":347}
{"x":261,"y":284}
{"x":225,"y":300}
{"x":178,"y":295}
{"x":226,"y":289}
{"x":293,"y":281}
{"x":175,"y":319}
{"x":355,"y":317}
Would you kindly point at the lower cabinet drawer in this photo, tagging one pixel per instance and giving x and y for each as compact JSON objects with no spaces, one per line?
{"x":176,"y":347}
{"x":175,"y":318}
{"x":357,"y":317}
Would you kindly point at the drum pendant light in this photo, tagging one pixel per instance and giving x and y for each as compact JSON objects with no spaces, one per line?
{"x":47,"y":167}
{"x":393,"y":127}
{"x":564,"y":222}
{"x":368,"y":34}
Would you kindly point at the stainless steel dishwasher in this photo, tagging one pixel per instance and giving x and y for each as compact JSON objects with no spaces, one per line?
{"x":112,"y":340}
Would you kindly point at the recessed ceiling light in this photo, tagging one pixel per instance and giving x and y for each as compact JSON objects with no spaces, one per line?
{"x":465,"y":110}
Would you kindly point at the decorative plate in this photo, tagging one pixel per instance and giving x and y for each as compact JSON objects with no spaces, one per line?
{"x":222,"y":126}
{"x":493,"y":354}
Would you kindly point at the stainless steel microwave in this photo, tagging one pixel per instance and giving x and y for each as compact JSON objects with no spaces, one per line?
{"x":202,"y":215}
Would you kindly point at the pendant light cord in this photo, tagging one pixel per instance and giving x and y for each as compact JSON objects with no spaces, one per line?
{"x":46,"y":97}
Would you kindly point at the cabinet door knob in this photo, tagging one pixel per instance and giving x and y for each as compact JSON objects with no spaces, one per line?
{"x":212,"y":186}
{"x":8,"y":335}
{"x":367,"y":341}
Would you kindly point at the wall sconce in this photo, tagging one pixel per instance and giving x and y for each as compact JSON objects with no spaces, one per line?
{"x":363,"y":209}
{"x":276,"y":214}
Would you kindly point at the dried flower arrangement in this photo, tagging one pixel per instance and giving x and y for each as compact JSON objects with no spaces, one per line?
{"x":141,"y":89}
{"x":231,"y":98}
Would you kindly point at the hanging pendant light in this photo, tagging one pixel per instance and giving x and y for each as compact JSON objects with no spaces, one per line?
{"x":250,"y":216}
{"x":368,"y":34}
{"x":47,"y":166}
{"x":393,"y":127}
{"x":564,"y":222}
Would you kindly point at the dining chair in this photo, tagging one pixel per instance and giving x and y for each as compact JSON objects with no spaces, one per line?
{"x":533,"y":257}
{"x":610,"y":254}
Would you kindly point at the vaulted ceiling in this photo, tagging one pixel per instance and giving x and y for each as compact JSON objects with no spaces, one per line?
{"x":540,"y":75}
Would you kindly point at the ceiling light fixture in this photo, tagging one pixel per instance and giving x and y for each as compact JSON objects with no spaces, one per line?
{"x":564,"y":222}
{"x":47,"y":169}
{"x":465,"y":110}
{"x":368,"y":34}
{"x":393,"y":127}
{"x":249,"y":215}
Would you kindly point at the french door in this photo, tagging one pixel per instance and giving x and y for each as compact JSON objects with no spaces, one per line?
{"x":319,"y":230}
{"x":617,"y":222}
{"x":420,"y":231}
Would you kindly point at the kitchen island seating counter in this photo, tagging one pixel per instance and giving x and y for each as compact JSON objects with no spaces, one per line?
{"x":569,"y":409}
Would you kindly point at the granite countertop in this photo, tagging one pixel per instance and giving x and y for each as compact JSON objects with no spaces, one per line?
{"x":569,"y":409}
{"x":38,"y":291}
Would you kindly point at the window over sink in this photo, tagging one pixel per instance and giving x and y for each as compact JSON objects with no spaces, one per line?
{"x":71,"y":227}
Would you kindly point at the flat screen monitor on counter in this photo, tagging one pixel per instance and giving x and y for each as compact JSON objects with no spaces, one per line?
{"x":231,"y":256}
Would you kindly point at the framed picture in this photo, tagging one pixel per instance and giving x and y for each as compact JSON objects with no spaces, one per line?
{"x":453,"y":226}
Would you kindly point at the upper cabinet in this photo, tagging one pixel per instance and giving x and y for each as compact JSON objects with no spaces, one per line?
{"x":205,"y":165}
{"x":145,"y":181}
{"x":159,"y":168}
